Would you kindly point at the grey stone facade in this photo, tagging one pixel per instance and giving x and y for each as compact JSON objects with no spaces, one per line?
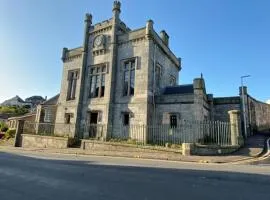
{"x":111,"y":45}
{"x":122,"y":77}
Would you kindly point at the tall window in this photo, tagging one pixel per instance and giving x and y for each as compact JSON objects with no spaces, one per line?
{"x":72,"y":83}
{"x":48,"y":115}
{"x":97,"y":81}
{"x":129,"y":78}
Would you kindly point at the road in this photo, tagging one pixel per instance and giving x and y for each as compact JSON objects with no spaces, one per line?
{"x":63,"y":177}
{"x":265,"y":159}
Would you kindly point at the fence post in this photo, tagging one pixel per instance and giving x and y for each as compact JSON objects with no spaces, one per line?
{"x":236,"y":136}
{"x":19,"y":131}
{"x":187,"y":149}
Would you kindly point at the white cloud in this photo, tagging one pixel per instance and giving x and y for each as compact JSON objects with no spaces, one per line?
{"x":268,"y":101}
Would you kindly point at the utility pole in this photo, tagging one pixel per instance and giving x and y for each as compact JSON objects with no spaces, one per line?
{"x":243,"y":105}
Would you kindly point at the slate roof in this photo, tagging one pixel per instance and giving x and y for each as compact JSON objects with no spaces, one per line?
{"x":16,"y":98}
{"x":179,"y":89}
{"x":51,"y":101}
{"x":22,"y":116}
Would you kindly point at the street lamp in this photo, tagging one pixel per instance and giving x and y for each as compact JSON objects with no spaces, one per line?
{"x":243,"y":105}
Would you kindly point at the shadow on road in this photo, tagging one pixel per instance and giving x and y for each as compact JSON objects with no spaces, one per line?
{"x":33,"y":178}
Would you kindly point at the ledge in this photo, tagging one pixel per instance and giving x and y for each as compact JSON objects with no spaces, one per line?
{"x":208,"y":150}
{"x":87,"y":144}
{"x":46,"y":136}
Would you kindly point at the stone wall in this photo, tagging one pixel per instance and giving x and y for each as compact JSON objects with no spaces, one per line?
{"x":72,"y":61}
{"x":38,"y":141}
{"x":208,"y":150}
{"x":222,"y":105}
{"x":182,"y":105}
{"x":13,"y":121}
{"x":258,"y":114}
{"x":202,"y":108}
{"x":110,"y":146}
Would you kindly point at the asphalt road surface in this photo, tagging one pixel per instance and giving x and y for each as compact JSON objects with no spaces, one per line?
{"x":59,"y":177}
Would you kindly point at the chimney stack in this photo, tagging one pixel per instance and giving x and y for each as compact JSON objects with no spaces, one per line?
{"x":165,"y":37}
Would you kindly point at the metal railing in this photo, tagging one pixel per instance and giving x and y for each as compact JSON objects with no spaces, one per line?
{"x":202,"y":132}
{"x":48,"y":129}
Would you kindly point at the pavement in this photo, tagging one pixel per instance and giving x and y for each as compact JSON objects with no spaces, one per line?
{"x":254,"y":147}
{"x":34,"y":175}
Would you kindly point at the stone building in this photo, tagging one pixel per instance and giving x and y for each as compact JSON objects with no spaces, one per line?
{"x":122,"y":77}
{"x":16,"y":101}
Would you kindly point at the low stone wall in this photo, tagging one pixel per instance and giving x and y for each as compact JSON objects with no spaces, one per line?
{"x":39,"y":141}
{"x":110,"y":146}
{"x":211,"y":150}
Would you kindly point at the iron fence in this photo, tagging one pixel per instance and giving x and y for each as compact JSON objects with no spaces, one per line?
{"x":48,"y":129}
{"x":202,"y":132}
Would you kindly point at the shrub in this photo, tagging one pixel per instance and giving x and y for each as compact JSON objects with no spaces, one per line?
{"x":10,"y":134}
{"x":3,"y":127}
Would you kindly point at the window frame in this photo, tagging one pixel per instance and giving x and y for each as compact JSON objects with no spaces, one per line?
{"x":173,"y":120}
{"x":129,"y":71}
{"x":68,"y":116}
{"x":47,"y":115}
{"x":71,"y":95}
{"x":101,"y":75}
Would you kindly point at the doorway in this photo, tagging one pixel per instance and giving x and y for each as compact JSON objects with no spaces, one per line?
{"x":93,"y":124}
{"x":93,"y":118}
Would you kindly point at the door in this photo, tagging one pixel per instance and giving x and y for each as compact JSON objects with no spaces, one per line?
{"x":93,"y":124}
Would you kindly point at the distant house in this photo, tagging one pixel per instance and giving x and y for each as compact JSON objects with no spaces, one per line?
{"x":46,"y":111}
{"x":16,"y":101}
{"x":35,"y":100}
{"x":13,"y":121}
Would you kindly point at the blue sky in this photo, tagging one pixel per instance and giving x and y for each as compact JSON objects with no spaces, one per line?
{"x":223,"y":39}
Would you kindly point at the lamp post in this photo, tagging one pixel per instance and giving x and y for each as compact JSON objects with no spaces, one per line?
{"x":243,"y":104}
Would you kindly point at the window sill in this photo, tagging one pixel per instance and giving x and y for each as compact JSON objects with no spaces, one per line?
{"x":96,"y":97}
{"x":129,"y":96}
{"x":70,"y":100}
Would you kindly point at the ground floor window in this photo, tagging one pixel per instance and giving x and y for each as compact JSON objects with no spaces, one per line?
{"x":126,"y":119}
{"x":173,"y":121}
{"x":48,"y":115}
{"x":68,"y":117}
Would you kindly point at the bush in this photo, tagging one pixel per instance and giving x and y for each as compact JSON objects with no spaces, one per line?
{"x":3,"y":127}
{"x":13,"y":110}
{"x":10,"y":134}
